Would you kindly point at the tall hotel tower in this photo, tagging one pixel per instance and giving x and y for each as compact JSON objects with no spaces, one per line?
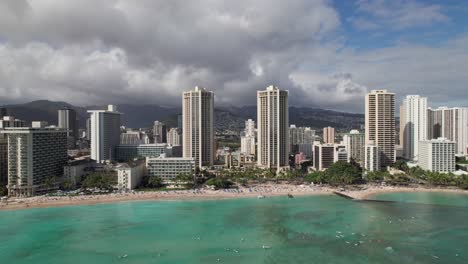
{"x":273,"y":122}
{"x":380,"y":124}
{"x":413,"y":125}
{"x":105,"y":133}
{"x":197,"y":126}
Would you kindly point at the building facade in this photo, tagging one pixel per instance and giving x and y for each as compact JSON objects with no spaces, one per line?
{"x":437,"y":155}
{"x":174,"y":137}
{"x":159,"y":132}
{"x":450,"y":123}
{"x":324,"y":156}
{"x":129,"y":175}
{"x":380,"y":124}
{"x":273,"y":122}
{"x":372,"y":157}
{"x":105,"y":133}
{"x":300,"y":136}
{"x":355,"y":143}
{"x":198,"y":129}
{"x":125,"y":153}
{"x":34,"y":156}
{"x":413,"y":122}
{"x":168,"y":168}
{"x":329,"y":135}
{"x":67,"y":120}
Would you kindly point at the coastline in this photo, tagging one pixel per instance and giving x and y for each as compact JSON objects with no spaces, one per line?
{"x":373,"y":190}
{"x":267,"y":190}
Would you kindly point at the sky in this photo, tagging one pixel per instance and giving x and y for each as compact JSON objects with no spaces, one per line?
{"x":327,"y":53}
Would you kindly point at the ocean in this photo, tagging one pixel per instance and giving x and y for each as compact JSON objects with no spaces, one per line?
{"x":412,"y":228}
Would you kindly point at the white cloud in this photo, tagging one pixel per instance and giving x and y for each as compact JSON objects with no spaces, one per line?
{"x":114,"y":51}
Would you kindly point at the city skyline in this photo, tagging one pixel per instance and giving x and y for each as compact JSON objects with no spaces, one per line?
{"x":328,"y":54}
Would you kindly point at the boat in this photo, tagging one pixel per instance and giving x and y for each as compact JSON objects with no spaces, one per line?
{"x":266,"y":247}
{"x":260,"y":196}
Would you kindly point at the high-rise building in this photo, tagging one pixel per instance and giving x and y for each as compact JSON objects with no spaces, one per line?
{"x":198,"y":129}
{"x":174,"y":136}
{"x":380,"y":124}
{"x":249,"y":130}
{"x":300,"y":137}
{"x":413,"y":121}
{"x":355,"y":143}
{"x":372,"y":157}
{"x":329,"y":135}
{"x":6,"y":121}
{"x":133,"y":138}
{"x":437,"y":155}
{"x":88,"y":129}
{"x":327,"y":154}
{"x":159,"y":132}
{"x":450,"y":123}
{"x":248,"y":145}
{"x":179,"y":121}
{"x":248,"y":139}
{"x":34,"y":156}
{"x":273,"y":121}
{"x":67,"y":120}
{"x":105,"y":133}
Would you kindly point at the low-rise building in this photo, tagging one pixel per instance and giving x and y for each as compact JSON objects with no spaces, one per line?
{"x":129,"y":174}
{"x":437,"y":155}
{"x":167,"y":168}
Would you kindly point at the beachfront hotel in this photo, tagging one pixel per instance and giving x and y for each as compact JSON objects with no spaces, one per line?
{"x":105,"y":133}
{"x":437,"y":155}
{"x":413,"y":125}
{"x":168,"y":168}
{"x":35,"y":154}
{"x":197,"y":123}
{"x":272,"y":133}
{"x":380,"y":124}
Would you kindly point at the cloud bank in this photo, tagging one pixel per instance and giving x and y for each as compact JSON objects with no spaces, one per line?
{"x":123,"y":51}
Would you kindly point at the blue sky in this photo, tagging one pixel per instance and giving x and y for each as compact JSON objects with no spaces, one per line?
{"x":432,"y":32}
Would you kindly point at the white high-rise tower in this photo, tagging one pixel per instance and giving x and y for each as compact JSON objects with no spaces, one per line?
{"x":105,"y":133}
{"x":273,"y":122}
{"x":197,"y":126}
{"x":413,"y":119}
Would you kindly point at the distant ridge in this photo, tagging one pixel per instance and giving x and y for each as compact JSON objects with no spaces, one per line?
{"x":229,"y":117}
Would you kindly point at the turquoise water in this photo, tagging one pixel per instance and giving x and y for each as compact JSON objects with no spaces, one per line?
{"x":319,"y":229}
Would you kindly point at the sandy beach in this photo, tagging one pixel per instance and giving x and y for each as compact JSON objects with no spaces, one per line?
{"x":267,"y":190}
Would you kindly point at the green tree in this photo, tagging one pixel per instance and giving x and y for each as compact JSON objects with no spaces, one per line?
{"x":66,"y":185}
{"x":401,"y":165}
{"x":342,"y":172}
{"x":155,"y":182}
{"x":101,"y":180}
{"x":219,"y":183}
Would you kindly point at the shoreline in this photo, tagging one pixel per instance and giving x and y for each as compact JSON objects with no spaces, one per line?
{"x":374,"y":190}
{"x":267,"y":190}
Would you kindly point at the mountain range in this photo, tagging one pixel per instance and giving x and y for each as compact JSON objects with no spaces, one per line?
{"x":226,"y":118}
